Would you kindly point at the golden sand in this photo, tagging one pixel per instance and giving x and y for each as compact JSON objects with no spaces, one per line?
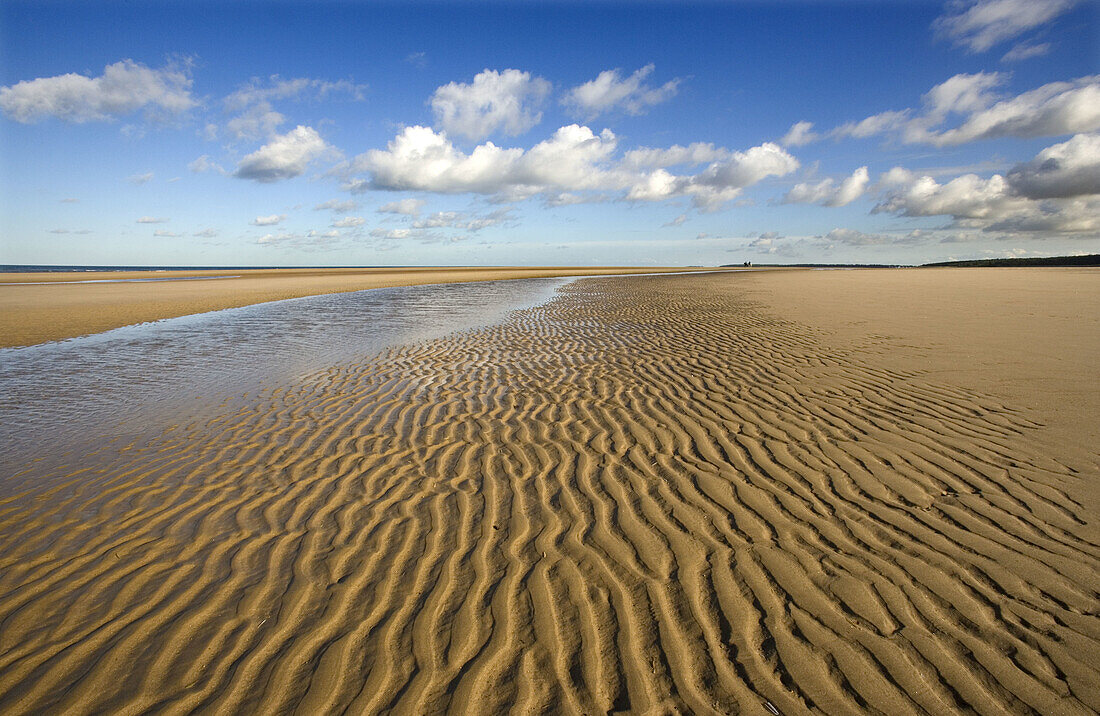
{"x":31,"y":312}
{"x":652,"y":495}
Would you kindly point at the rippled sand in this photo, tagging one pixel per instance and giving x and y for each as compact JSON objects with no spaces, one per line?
{"x":649,"y":495}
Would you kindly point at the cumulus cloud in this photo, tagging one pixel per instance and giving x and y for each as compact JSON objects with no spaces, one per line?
{"x":151,"y":220}
{"x":1057,"y":192}
{"x":206,"y":233}
{"x":122,"y":89}
{"x":720,"y":182}
{"x":980,"y":24}
{"x":1064,"y":170}
{"x":972,"y":103}
{"x":573,"y":160}
{"x":830,"y":193}
{"x":163,"y":233}
{"x":610,"y":91}
{"x":407,"y":207}
{"x":285,"y":157}
{"x":1053,"y":109}
{"x":336,"y":206}
{"x":800,"y":133}
{"x":348,"y":222}
{"x":140,"y":179}
{"x":1025,"y":51}
{"x":268,"y":220}
{"x":505,"y":101}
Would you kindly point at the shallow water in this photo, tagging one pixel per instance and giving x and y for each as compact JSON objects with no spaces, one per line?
{"x":71,"y":396}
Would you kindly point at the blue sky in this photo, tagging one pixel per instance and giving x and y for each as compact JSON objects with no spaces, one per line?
{"x":323,"y":133}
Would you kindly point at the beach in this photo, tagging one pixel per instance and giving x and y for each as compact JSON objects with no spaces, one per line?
{"x":778,"y":492}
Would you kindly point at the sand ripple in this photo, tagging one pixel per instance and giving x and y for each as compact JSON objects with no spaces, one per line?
{"x":646,"y":495}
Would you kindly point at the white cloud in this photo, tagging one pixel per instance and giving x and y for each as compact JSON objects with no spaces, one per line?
{"x":257,"y":122}
{"x":1058,"y":192}
{"x":166,"y":234}
{"x":1053,"y":109}
{"x":140,"y":179}
{"x":678,"y":221}
{"x":286,"y":156}
{"x":965,"y":197}
{"x":1025,"y":51}
{"x":408,"y":207}
{"x":610,"y":91}
{"x":505,"y":101}
{"x":337,"y":206}
{"x":800,"y":133}
{"x":981,"y":24}
{"x":718,"y":183}
{"x":348,"y":222}
{"x":151,"y":220}
{"x":417,"y":59}
{"x":206,"y":233}
{"x":573,"y":160}
{"x":1069,"y":169}
{"x":123,"y":88}
{"x":70,"y":200}
{"x":268,"y":220}
{"x":875,"y":124}
{"x":828,"y":192}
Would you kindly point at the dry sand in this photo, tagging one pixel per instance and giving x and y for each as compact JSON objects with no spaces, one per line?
{"x":653,"y":495}
{"x":38,"y":307}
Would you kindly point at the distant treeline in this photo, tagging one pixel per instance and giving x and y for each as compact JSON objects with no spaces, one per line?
{"x":1089,"y":260}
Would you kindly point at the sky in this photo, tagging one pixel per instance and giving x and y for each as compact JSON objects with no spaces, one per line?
{"x":547,"y":133}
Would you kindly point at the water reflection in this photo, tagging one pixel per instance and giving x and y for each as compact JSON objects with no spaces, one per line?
{"x":72,"y":395}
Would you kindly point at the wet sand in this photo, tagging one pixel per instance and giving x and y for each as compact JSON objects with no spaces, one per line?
{"x":38,"y":307}
{"x":695,"y":494}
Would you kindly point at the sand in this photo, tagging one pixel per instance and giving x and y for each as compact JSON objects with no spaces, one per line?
{"x":66,"y":306}
{"x":651,"y":495}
